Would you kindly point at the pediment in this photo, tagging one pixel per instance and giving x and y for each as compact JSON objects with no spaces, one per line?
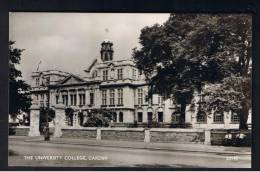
{"x":72,"y":79}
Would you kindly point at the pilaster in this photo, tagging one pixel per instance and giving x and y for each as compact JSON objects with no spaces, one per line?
{"x":34,"y":120}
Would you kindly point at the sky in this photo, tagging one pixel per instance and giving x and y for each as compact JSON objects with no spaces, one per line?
{"x":71,"y":41}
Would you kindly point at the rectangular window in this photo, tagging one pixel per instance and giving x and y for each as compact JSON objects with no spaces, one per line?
{"x":71,"y":99}
{"x":91,"y":97}
{"x":218,"y":118}
{"x":42,"y":97}
{"x":120,"y":73}
{"x":65,"y":99}
{"x":160,"y":116}
{"x":104,"y":97}
{"x":74,"y":100}
{"x":112,"y":97}
{"x":147,"y":99}
{"x":82,"y":99}
{"x":120,"y":96}
{"x":134,"y":74}
{"x":37,"y":81}
{"x":140,"y":116}
{"x":105,"y":75}
{"x":57,"y":99}
{"x":140,"y":96}
{"x":121,"y":117}
{"x":235,"y":118}
{"x":139,"y":74}
{"x":201,"y":117}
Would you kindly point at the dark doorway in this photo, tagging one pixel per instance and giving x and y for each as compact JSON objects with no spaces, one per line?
{"x":149,"y":117}
{"x":160,"y":116}
{"x":140,"y":116}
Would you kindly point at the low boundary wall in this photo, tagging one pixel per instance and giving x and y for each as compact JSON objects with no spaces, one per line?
{"x":218,"y":135}
{"x":164,"y":135}
{"x":137,"y":134}
{"x":87,"y":133}
{"x":177,"y":135}
{"x":21,"y":130}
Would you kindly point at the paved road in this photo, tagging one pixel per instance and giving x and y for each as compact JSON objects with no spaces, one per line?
{"x":65,"y":155}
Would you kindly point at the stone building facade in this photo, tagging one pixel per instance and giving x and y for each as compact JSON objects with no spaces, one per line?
{"x":117,"y":85}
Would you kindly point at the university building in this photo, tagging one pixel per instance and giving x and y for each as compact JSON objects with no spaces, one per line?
{"x":119,"y":86}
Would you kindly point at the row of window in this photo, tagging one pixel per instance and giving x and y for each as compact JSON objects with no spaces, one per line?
{"x":119,"y":74}
{"x":149,"y":117}
{"x":112,"y":96}
{"x":120,"y":117}
{"x":140,"y":98}
{"x":73,"y":99}
{"x":202,"y":118}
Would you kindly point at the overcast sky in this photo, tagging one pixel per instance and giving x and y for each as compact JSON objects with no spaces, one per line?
{"x":71,"y":41}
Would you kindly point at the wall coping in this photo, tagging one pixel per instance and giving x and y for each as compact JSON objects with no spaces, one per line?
{"x":20,"y":126}
{"x":78,"y":128}
{"x":122,"y":129}
{"x":102,"y":128}
{"x":184,"y":130}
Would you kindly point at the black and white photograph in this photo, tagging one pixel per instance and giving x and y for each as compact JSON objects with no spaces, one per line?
{"x":146,"y":90}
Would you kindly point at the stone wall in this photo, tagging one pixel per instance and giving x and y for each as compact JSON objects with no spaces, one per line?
{"x":123,"y":134}
{"x":177,"y":135}
{"x":21,"y":131}
{"x":218,"y":135}
{"x":137,"y":134}
{"x":87,"y":133}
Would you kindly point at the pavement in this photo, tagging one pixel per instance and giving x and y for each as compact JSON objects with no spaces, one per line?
{"x":221,"y":150}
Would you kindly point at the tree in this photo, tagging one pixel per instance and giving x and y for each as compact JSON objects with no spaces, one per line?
{"x":99,"y":118}
{"x":168,"y":63}
{"x":190,"y":51}
{"x":19,"y":96}
{"x":231,"y":36}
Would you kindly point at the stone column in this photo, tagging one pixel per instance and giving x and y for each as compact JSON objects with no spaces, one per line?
{"x":77,"y":97}
{"x":69,"y":100}
{"x":147,"y":135}
{"x":59,"y":120}
{"x":87,"y":97}
{"x":98,"y":134}
{"x":34,"y":120}
{"x":207,"y":140}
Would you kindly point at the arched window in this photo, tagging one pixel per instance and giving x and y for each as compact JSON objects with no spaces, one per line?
{"x":218,"y":117}
{"x":121,"y":117}
{"x":201,"y":117}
